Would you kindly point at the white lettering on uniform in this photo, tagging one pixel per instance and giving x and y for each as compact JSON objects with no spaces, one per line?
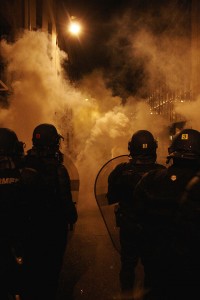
{"x":8,"y":180}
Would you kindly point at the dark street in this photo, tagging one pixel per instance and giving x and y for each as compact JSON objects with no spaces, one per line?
{"x":91,"y":263}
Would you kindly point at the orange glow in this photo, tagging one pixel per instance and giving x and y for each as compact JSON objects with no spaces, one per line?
{"x":74,"y":28}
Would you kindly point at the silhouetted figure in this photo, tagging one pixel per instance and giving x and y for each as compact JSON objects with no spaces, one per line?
{"x":121,"y":184}
{"x":168,"y":237}
{"x":52,"y":214}
{"x":11,"y":223}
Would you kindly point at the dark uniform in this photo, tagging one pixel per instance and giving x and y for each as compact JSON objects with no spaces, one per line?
{"x":52,"y":214}
{"x":168,"y":261}
{"x":11,"y":153}
{"x":121,"y":184}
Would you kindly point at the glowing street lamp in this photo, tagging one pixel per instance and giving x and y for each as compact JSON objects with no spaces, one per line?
{"x":74,"y":28}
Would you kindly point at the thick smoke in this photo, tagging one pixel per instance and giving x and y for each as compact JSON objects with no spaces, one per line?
{"x":95,"y":124}
{"x":190,"y":112}
{"x":36,"y":90}
{"x":98,"y":116}
{"x":150,"y":49}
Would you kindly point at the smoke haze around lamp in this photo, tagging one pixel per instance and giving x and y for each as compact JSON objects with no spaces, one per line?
{"x":74,"y":28}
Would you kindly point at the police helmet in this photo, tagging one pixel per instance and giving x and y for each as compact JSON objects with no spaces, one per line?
{"x":186,"y":145}
{"x":9,"y":143}
{"x":46,"y":135}
{"x":142,"y":143}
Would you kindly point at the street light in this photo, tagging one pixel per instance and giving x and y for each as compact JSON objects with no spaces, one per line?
{"x":74,"y":27}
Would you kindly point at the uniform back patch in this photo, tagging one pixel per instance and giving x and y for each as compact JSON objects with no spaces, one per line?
{"x":8,"y":180}
{"x":184,"y":136}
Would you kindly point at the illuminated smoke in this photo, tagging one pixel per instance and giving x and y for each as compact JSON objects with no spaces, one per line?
{"x":113,"y":129}
{"x":150,"y":49}
{"x":190,"y":112}
{"x":36,"y":89}
{"x":93,"y":121}
{"x":39,"y":93}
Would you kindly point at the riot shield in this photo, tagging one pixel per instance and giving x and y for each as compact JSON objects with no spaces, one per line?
{"x":100,"y":190}
{"x":74,"y":177}
{"x":75,"y":182}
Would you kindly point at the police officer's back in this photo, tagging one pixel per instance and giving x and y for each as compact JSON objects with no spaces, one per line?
{"x":157,"y":201}
{"x":51,"y":213}
{"x":11,"y":153}
{"x":121,"y":184}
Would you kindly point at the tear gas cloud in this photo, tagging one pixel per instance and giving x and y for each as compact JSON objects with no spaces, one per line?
{"x":190,"y":111}
{"x":95,"y":124}
{"x":100,"y":126}
{"x":150,"y":48}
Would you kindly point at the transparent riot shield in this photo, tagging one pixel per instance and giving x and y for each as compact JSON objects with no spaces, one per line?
{"x":75,"y":183}
{"x":100,"y":190}
{"x":74,"y":177}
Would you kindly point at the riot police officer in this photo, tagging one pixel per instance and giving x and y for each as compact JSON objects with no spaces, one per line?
{"x":188,"y":240}
{"x":51,"y":213}
{"x":121,"y":183}
{"x":11,"y":154}
{"x":167,"y":249}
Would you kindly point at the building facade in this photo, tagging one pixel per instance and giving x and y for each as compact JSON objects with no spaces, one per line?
{"x":162,"y":100}
{"x":19,"y":15}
